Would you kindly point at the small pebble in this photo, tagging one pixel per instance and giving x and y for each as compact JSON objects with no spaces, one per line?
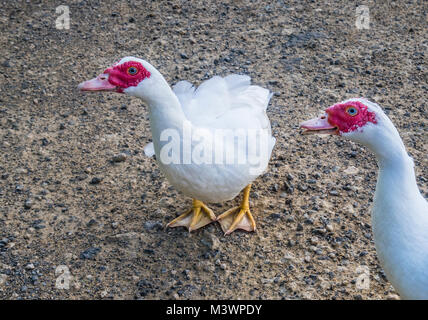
{"x":28,"y":204}
{"x":302,"y":187}
{"x":29,"y":266}
{"x":90,"y":253}
{"x":95,"y":180}
{"x":121,"y":157}
{"x":3,"y":279}
{"x":153,"y":225}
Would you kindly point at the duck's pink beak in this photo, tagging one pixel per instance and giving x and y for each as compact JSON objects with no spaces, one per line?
{"x":99,"y":83}
{"x":319,"y":125}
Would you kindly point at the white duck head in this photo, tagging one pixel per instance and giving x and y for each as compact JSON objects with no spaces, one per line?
{"x":132,"y":76}
{"x":362,"y":121}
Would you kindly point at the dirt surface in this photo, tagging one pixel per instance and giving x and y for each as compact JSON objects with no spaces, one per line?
{"x":71,"y":210}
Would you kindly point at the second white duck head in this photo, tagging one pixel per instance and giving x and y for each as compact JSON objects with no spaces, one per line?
{"x":400,"y":212}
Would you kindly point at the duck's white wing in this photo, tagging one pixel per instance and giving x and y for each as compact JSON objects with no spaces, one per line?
{"x":229,"y":102}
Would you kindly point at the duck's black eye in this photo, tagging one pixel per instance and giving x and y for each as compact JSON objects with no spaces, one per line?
{"x":132,"y":71}
{"x":352,"y":111}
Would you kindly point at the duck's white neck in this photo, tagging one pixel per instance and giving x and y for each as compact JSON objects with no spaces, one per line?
{"x":385,"y":142}
{"x":396,"y":178}
{"x":396,"y":172}
{"x":165,"y":111}
{"x":399,"y":217}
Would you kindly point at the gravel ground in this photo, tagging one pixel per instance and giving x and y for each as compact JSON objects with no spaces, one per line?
{"x":70,"y":209}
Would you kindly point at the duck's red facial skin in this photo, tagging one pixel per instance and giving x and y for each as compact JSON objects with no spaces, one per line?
{"x":127,"y":74}
{"x":349,"y":116}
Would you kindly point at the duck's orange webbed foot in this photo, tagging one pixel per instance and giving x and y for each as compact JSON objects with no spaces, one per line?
{"x":196,"y":217}
{"x":238,"y":217}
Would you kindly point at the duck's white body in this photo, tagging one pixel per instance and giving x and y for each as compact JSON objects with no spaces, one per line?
{"x":400,"y":212}
{"x":228,"y":103}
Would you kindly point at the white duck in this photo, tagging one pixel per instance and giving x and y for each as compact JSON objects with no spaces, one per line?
{"x":200,"y":136}
{"x":400,"y":212}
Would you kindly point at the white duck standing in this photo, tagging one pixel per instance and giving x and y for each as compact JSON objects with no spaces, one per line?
{"x":210,"y":142}
{"x":400,"y":212}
